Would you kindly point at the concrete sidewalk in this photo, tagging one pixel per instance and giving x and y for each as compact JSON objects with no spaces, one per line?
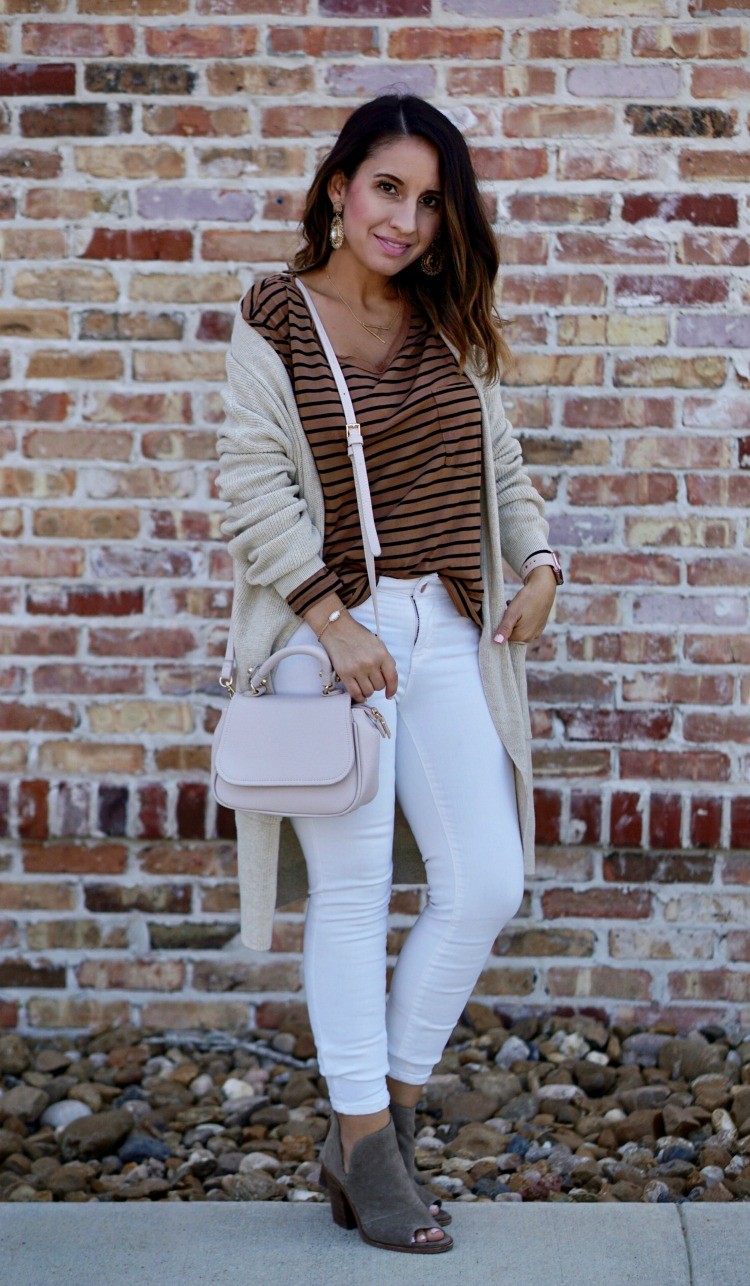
{"x":286,"y":1244}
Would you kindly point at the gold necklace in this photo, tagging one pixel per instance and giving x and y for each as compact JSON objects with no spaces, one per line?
{"x":368,"y":327}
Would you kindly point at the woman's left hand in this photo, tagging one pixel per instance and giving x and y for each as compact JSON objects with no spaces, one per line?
{"x":526,"y":615}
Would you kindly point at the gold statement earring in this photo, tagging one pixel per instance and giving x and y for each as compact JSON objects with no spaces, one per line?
{"x":336,"y":231}
{"x":431,"y":261}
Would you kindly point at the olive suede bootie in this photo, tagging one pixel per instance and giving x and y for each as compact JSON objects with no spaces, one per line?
{"x":403,"y":1119}
{"x":376,"y":1194}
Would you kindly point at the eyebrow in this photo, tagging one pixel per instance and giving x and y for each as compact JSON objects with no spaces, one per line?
{"x":394,"y":177}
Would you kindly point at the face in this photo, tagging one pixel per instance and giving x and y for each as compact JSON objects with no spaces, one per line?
{"x":392,"y":205}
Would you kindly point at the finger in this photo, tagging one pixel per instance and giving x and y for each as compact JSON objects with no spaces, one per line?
{"x":506,"y":627}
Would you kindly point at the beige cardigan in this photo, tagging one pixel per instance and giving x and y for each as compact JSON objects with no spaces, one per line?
{"x":274,"y":523}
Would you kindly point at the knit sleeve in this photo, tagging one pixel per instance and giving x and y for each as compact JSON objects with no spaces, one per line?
{"x":521,"y":509}
{"x":267,"y":521}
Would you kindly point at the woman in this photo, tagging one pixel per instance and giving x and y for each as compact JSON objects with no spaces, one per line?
{"x":400,"y":260}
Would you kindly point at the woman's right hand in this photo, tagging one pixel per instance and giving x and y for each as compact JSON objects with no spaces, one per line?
{"x":359,"y":657}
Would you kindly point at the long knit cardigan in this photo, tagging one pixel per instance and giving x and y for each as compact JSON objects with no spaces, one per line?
{"x":275,"y":528}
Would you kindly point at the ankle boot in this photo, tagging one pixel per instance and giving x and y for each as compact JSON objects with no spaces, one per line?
{"x":376,"y":1194}
{"x":403,"y":1120}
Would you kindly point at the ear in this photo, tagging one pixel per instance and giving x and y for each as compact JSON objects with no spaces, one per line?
{"x":337,"y":186}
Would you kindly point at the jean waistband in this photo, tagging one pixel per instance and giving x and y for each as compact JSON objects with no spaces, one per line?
{"x":429,"y":583}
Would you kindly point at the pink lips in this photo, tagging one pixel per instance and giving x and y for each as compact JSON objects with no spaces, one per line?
{"x":392,"y":247}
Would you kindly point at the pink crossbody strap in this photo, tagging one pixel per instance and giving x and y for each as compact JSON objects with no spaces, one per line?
{"x":356,"y":453}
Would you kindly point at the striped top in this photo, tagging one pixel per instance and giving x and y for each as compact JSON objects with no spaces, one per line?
{"x":422,"y":429}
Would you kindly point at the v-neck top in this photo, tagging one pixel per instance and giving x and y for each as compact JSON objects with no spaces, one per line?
{"x":422,"y":429}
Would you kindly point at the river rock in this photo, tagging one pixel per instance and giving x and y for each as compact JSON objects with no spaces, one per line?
{"x":690,"y":1058}
{"x":59,"y":1114}
{"x":14,"y":1055}
{"x":521,"y":1108}
{"x":23,"y":1101}
{"x":250,"y":1185}
{"x":501,"y":1084}
{"x":594,"y":1078}
{"x":140,"y":1147}
{"x":469,"y":1105}
{"x":475,"y":1141}
{"x":95,"y":1135}
{"x":511,"y":1052}
{"x":711,"y":1090}
{"x":643,"y":1048}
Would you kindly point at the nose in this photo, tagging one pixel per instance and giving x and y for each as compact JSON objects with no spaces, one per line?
{"x":405,"y":219}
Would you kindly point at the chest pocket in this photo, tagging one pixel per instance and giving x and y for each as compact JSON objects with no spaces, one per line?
{"x":459,"y":413}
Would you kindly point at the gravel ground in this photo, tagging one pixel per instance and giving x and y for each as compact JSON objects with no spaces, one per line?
{"x":540,"y":1109}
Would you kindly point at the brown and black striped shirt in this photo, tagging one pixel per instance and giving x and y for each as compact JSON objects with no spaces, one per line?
{"x":422,"y":429}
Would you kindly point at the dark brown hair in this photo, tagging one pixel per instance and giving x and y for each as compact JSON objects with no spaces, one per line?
{"x":459,"y":301}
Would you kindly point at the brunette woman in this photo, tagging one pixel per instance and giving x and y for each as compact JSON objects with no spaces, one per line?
{"x":401,"y":261}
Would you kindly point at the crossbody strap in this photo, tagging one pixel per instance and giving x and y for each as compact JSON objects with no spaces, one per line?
{"x":355,"y":449}
{"x":356,"y":453}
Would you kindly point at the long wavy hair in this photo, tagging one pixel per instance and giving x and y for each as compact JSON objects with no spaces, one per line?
{"x":459,"y":301}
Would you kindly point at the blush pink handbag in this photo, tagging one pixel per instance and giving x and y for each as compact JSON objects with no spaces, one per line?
{"x":308,"y":754}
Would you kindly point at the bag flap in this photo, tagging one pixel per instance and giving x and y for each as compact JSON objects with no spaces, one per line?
{"x":286,"y":740}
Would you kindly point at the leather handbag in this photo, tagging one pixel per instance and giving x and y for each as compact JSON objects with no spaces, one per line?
{"x":303,"y":754}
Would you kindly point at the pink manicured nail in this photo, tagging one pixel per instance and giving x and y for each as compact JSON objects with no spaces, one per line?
{"x":499,"y":638}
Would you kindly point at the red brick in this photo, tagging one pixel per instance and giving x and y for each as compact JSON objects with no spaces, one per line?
{"x":585,"y":817}
{"x":374,"y":8}
{"x":32,"y":809}
{"x":89,"y":680}
{"x":142,"y":642}
{"x":710,"y":984}
{"x":719,"y":726}
{"x":139,"y":244}
{"x":618,"y":412}
{"x":605,"y":903}
{"x":705,"y":821}
{"x":673,"y":765}
{"x":15,"y":717}
{"x":626,"y":818}
{"x":615,"y":726}
{"x":37,"y":78}
{"x":622,"y":489}
{"x":67,"y":857}
{"x":445,"y":42}
{"x":738,"y":945}
{"x":82,"y":600}
{"x":548,"y":808}
{"x":131,"y":975}
{"x":685,"y":291}
{"x":191,"y":810}
{"x":718,"y":570}
{"x":653,"y":868}
{"x":718,"y":210}
{"x":152,"y":810}
{"x":739,"y":822}
{"x":168,"y":899}
{"x":599,"y":980}
{"x":665,"y":822}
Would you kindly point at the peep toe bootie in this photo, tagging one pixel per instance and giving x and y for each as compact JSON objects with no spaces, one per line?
{"x":376,"y":1195}
{"x":403,"y":1120}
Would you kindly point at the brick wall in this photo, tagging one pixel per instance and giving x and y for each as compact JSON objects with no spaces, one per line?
{"x":153,"y":159}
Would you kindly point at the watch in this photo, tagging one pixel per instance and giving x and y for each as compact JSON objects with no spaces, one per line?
{"x":542,"y":558}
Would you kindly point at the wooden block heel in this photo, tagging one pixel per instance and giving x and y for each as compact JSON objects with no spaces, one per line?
{"x":340,"y":1208}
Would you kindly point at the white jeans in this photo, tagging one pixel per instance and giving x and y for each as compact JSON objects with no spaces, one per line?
{"x":454,"y":781}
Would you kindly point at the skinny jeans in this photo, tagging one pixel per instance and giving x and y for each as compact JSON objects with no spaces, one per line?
{"x":454,"y":780}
